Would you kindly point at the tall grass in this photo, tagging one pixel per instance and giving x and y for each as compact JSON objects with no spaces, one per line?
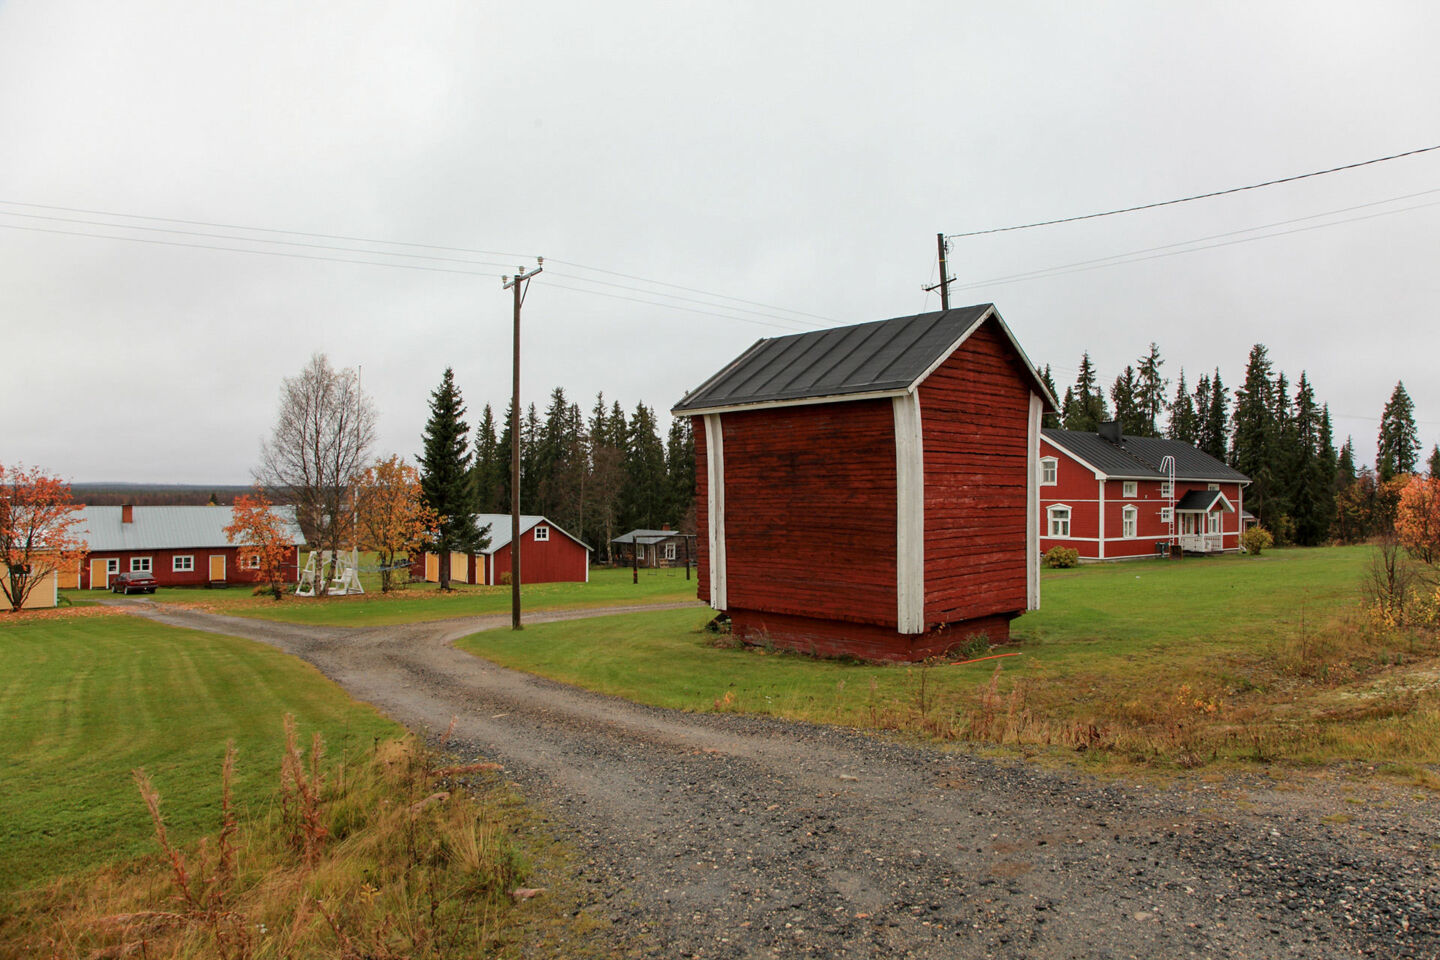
{"x":398,"y":856}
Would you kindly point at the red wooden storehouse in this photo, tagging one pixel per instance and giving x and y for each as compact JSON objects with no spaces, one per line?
{"x":1110,"y":497}
{"x":178,"y":546}
{"x":870,"y":490}
{"x":547,"y":555}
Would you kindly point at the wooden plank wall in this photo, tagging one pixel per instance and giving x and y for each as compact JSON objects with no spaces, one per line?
{"x":975,"y":415}
{"x":810,"y":511}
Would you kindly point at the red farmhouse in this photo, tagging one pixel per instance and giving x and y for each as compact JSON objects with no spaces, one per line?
{"x":1109,"y":497}
{"x":547,"y":555}
{"x":870,"y":490}
{"x":178,"y":546}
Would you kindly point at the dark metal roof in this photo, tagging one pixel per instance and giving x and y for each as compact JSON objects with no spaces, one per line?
{"x":1200,"y":501}
{"x":648,"y":537}
{"x":1138,"y":458}
{"x":876,"y":357}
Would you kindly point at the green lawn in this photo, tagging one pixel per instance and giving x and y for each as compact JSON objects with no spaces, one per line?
{"x":85,"y":700}
{"x":423,"y":601}
{"x":1183,"y":661}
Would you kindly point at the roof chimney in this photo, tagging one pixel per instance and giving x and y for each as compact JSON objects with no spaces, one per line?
{"x":1110,"y":430}
{"x":127,"y":513}
{"x":664,"y":526}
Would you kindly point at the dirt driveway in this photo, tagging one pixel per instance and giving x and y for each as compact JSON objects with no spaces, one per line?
{"x":724,"y":836}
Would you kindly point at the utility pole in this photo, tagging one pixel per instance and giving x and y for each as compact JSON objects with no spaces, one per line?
{"x":519,"y":284}
{"x":945,"y":279}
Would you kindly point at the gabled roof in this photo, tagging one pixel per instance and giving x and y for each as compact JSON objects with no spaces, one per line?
{"x":881,"y":358}
{"x":1202,"y":501}
{"x":168,"y":528}
{"x":499,"y":524}
{"x":1139,"y":458}
{"x":648,"y":537}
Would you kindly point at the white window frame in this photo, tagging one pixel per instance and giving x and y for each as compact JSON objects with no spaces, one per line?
{"x":182,"y":563}
{"x":1212,"y":522}
{"x":112,"y":565}
{"x":1164,"y":514}
{"x":142,"y":565}
{"x":1129,"y":523}
{"x":1057,"y":521}
{"x":1130,"y":488}
{"x":251,"y":562}
{"x":1049,"y":471}
{"x":670,"y":551}
{"x":1165,"y":488}
{"x":542,"y":534}
{"x":1212,"y":487}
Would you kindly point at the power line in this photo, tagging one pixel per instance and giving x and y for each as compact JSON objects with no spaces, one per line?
{"x":374,"y":240}
{"x":1198,"y":196}
{"x":1116,"y":261}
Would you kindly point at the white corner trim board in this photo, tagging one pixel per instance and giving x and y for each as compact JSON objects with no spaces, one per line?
{"x":1032,"y":510}
{"x":909,"y":515}
{"x":715,"y":505}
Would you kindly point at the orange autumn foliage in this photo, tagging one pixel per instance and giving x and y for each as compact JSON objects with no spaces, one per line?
{"x":390,"y":514}
{"x":262,"y":539}
{"x":1417,"y":518}
{"x":37,"y":530}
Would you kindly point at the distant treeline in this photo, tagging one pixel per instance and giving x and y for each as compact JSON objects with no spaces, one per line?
{"x":154,"y":494}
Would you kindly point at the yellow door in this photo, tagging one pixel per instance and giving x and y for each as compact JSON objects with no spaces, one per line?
{"x":432,"y":567}
{"x":459,"y":568}
{"x":69,"y":579}
{"x":99,"y":579}
{"x":217,"y":566}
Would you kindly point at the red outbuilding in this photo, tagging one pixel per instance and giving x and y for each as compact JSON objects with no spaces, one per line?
{"x":870,"y":490}
{"x":547,"y":555}
{"x":1113,"y":497}
{"x":178,"y":546}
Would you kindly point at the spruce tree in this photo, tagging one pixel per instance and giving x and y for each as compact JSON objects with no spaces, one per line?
{"x":1433,"y":464}
{"x":1345,"y":466}
{"x":446,"y":485}
{"x":1085,"y":409}
{"x":1050,"y":420}
{"x":1125,"y":395}
{"x":490,"y":465}
{"x":680,"y":470}
{"x":1308,"y":475}
{"x":1150,"y":392}
{"x":1398,"y":446}
{"x":1184,"y":425}
{"x":644,"y":499}
{"x":1214,"y":426}
{"x":1253,"y":438}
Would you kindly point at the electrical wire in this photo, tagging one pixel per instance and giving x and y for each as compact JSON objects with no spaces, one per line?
{"x":797,"y":324}
{"x":1198,"y":196}
{"x":1129,"y":258}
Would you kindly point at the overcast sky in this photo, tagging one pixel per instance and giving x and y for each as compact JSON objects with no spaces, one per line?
{"x":798,"y":157}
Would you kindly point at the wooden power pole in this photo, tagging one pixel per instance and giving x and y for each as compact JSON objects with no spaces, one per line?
{"x":519,"y":284}
{"x":945,"y":279}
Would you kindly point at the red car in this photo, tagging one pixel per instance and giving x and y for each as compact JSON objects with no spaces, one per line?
{"x":134,"y":582}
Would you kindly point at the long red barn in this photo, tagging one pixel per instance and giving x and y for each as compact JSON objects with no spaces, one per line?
{"x":870,"y":490}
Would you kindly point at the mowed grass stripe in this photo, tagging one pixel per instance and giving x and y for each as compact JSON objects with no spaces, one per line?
{"x":88,"y":700}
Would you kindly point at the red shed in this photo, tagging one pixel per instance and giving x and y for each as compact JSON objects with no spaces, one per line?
{"x":548,"y":555}
{"x":870,"y":490}
{"x":1109,"y":496}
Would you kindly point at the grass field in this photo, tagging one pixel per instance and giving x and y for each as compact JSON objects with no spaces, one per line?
{"x":87,"y":699}
{"x":423,"y":601}
{"x":1153,"y":662}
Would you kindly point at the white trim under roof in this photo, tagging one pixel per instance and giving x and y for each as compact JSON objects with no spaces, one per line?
{"x":1032,"y":500}
{"x":909,"y":515}
{"x":797,"y":402}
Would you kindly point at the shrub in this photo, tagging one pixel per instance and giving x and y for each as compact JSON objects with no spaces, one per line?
{"x":505,"y":579}
{"x":1060,"y":557}
{"x":1255,"y":540}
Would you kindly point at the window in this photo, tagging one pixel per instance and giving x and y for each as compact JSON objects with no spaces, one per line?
{"x":669,"y":551}
{"x":1164,"y":514}
{"x":1212,"y":486}
{"x":1128,"y":489}
{"x":112,"y":565}
{"x":1059,"y":521}
{"x":1212,"y":522}
{"x":542,"y":534}
{"x":182,"y":564}
{"x":139,"y":564}
{"x":1165,"y":488}
{"x":1127,"y":522}
{"x":1048,"y":469}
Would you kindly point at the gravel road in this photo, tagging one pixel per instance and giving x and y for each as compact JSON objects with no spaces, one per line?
{"x":726,"y":836}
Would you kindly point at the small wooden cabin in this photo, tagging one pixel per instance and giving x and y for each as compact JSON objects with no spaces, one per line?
{"x":653,"y":548}
{"x":870,"y":490}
